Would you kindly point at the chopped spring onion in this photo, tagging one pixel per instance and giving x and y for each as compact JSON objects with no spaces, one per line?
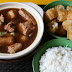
{"x":12,"y":33}
{"x":2,"y":33}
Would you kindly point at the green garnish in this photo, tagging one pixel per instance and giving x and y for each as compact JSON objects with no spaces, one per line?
{"x":2,"y":33}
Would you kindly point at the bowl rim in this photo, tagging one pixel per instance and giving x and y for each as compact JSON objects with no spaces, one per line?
{"x":51,"y":7}
{"x":29,"y":48}
{"x":54,"y":2}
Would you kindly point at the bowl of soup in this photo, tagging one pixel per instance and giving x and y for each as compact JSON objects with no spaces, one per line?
{"x":21,"y":30}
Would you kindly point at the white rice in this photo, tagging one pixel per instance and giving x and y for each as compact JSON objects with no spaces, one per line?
{"x":56,"y":59}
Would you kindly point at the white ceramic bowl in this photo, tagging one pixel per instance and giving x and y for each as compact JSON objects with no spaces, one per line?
{"x":39,"y":20}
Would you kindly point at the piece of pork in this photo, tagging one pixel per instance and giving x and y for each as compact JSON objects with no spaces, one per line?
{"x":14,"y":48}
{"x":11,"y":14}
{"x":23,"y":14}
{"x":1,"y":20}
{"x":9,"y":27}
{"x":25,"y":28}
{"x":6,"y":41}
{"x":26,"y":16}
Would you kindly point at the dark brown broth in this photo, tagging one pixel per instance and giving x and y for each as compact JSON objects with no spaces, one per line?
{"x":18,"y":19}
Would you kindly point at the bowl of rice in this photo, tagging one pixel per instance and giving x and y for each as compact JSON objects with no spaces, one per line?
{"x":53,"y":56}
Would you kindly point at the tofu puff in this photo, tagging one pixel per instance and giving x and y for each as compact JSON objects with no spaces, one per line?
{"x":66,"y":24}
{"x":52,"y":26}
{"x":46,"y":18}
{"x":69,"y":8}
{"x":69,"y":16}
{"x":60,"y":31}
{"x":69,"y":33}
{"x":51,"y":14}
{"x":59,"y":7}
{"x":62,"y":15}
{"x":56,"y":28}
{"x":55,"y":20}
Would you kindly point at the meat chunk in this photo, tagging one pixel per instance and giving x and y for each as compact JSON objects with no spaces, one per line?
{"x":25,"y":28}
{"x":62,"y":15}
{"x":23,"y":38}
{"x":6,"y":41}
{"x":24,"y":14}
{"x":1,"y":20}
{"x":14,"y":48}
{"x":9,"y":27}
{"x":51,"y":13}
{"x":59,"y":7}
{"x":11,"y":14}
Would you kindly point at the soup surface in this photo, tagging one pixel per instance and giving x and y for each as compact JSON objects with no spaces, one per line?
{"x":18,"y":30}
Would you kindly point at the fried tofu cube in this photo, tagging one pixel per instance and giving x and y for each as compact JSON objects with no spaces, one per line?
{"x":69,"y":8}
{"x":59,"y":7}
{"x":60,"y":31}
{"x":62,"y":15}
{"x":55,"y":20}
{"x":69,"y":16}
{"x":69,"y":33}
{"x":45,"y":18}
{"x":11,"y":14}
{"x":6,"y":41}
{"x":23,"y":38}
{"x":25,"y":28}
{"x":1,"y":20}
{"x":52,"y":26}
{"x":66,"y":24}
{"x":51,"y":13}
{"x":14,"y":48}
